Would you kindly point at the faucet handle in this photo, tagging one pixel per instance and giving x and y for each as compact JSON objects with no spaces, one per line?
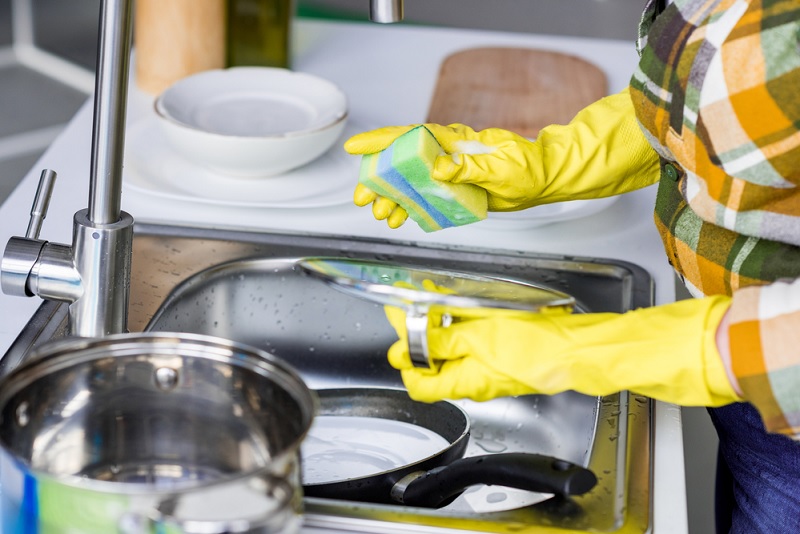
{"x":40,"y":203}
{"x":21,"y":253}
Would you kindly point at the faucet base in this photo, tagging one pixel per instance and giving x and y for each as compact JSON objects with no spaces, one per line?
{"x":102,"y":255}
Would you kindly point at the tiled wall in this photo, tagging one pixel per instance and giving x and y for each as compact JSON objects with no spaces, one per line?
{"x":34,"y":106}
{"x":68,"y":28}
{"x":5,"y":23}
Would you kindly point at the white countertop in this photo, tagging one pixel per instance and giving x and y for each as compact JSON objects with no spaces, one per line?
{"x":388,"y":74}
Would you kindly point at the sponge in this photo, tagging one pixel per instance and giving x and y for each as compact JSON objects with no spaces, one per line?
{"x":402,"y":173}
{"x":378,"y":173}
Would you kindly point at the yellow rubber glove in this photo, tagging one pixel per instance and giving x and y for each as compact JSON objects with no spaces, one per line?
{"x":382,"y":207}
{"x":667,"y":352}
{"x":601,"y":153}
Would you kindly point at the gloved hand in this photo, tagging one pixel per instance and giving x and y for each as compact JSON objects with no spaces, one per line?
{"x":667,"y":352}
{"x":382,"y":207}
{"x":601,"y":153}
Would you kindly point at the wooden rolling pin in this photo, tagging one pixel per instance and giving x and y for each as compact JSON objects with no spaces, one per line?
{"x":176,"y":38}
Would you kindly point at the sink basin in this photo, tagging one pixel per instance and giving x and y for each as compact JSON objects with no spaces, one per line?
{"x":245,"y":287}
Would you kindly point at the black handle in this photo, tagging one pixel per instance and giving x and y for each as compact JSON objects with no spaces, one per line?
{"x":530,"y":472}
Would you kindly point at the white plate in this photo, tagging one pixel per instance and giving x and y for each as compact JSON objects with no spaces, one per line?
{"x":546,"y":214}
{"x":153,"y":168}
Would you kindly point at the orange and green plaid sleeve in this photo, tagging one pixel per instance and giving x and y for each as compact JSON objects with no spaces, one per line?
{"x":765,"y":342}
{"x":717,"y":92}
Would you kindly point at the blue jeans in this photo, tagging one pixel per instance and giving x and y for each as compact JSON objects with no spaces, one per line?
{"x":758,"y":475}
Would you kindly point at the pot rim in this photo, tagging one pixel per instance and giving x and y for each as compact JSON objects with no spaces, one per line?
{"x":69,"y":352}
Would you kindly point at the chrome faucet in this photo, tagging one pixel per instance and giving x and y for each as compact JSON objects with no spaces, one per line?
{"x":93,"y":273}
{"x":385,"y":11}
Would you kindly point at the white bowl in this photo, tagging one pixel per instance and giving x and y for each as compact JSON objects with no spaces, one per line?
{"x":252,"y":122}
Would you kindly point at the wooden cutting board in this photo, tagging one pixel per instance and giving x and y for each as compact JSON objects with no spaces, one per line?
{"x":517,"y":89}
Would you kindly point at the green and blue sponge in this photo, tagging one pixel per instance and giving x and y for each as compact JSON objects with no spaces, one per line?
{"x":402,"y":173}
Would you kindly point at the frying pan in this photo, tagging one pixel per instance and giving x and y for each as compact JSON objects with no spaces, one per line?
{"x":438,"y":479}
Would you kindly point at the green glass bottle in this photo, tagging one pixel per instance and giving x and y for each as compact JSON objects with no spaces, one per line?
{"x":259,"y":32}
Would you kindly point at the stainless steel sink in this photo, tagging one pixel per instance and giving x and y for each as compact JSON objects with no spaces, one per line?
{"x":244,"y":286}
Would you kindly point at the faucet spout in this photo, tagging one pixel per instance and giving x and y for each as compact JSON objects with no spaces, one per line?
{"x":110,"y":100}
{"x":92,"y":274}
{"x":385,"y":11}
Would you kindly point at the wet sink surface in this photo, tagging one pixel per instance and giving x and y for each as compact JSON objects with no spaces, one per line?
{"x":245,"y":287}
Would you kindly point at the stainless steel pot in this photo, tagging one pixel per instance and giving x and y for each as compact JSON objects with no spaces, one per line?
{"x":152,"y":432}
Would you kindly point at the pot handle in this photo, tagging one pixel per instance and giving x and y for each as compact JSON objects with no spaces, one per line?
{"x":525,"y":471}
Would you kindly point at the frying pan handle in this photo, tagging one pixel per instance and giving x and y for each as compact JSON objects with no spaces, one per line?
{"x":530,"y":472}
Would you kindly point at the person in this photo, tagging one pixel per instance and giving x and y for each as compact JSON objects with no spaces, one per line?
{"x":712,"y":115}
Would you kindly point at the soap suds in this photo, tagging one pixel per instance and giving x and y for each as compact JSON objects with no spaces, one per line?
{"x":473,"y":147}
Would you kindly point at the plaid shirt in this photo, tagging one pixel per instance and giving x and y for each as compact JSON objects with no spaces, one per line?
{"x":717,"y":92}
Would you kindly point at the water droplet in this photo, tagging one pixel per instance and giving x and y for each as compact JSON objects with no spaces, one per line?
{"x":496,"y":497}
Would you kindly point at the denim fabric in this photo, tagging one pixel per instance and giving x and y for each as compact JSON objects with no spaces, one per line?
{"x":758,"y":488}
